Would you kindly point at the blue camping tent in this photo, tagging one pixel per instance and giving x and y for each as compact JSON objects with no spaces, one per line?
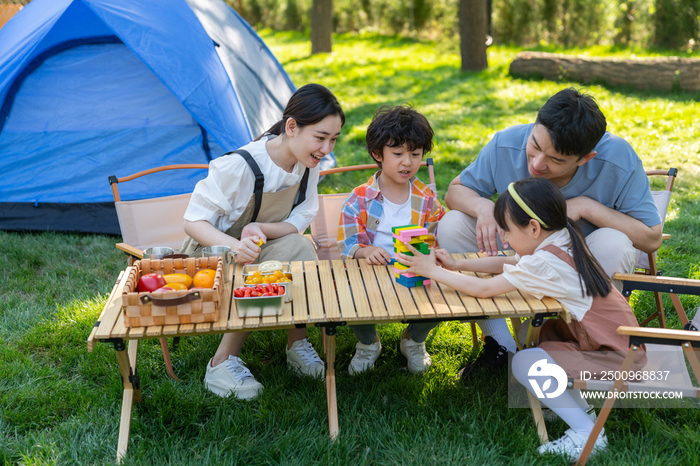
{"x":93,"y":88}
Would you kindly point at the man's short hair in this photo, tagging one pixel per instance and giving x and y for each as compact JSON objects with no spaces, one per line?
{"x":574,"y":122}
{"x":395,"y":126}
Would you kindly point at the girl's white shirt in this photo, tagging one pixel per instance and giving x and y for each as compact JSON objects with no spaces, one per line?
{"x":223,"y":195}
{"x":544,"y":274}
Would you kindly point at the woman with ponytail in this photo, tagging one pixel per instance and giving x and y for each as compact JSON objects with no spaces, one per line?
{"x":259,"y":200}
{"x":552,"y":259}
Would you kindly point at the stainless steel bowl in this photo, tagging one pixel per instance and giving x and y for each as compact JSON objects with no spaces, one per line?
{"x":157,"y":252}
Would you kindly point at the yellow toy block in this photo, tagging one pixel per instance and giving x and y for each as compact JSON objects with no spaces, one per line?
{"x":400,"y":247}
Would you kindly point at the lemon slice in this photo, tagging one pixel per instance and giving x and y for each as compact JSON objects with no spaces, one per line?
{"x":269,"y":266}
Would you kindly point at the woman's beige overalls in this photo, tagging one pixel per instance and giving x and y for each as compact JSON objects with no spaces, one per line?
{"x":274,"y":208}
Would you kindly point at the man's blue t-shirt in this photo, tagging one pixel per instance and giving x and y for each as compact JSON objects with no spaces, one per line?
{"x":615,"y":177}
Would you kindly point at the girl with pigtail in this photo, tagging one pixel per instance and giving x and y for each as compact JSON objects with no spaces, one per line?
{"x":552,"y":259}
{"x":258,"y":201}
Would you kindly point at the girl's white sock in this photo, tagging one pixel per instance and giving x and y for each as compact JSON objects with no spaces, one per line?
{"x":499,"y":331}
{"x":569,"y":405}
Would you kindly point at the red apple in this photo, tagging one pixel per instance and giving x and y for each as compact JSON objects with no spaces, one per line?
{"x":150,"y":282}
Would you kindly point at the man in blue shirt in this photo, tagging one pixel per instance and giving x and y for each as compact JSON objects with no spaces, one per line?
{"x":600,"y":175}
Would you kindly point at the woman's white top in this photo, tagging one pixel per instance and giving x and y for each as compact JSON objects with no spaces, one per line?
{"x":223,"y":195}
{"x":544,"y":274}
{"x":392,"y":215}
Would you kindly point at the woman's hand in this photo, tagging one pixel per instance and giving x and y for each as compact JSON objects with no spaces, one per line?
{"x":418,"y":263}
{"x":376,"y":256}
{"x":253,"y":230}
{"x":249,"y":246}
{"x":445,"y":259}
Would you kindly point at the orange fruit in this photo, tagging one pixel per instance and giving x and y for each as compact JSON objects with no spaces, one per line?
{"x":204,"y":278}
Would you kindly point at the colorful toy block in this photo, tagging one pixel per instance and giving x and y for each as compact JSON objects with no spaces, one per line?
{"x":417,"y":237}
{"x":412,"y":239}
{"x":398,"y":229}
{"x":410,"y":282}
{"x":410,"y":232}
{"x":423,"y":248}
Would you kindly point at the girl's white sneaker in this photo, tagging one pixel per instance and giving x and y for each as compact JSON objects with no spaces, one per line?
{"x":571,"y":445}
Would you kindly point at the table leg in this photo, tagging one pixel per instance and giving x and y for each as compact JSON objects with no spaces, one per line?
{"x":475,"y":337}
{"x":533,"y":338}
{"x":125,"y":424}
{"x":132,"y":392}
{"x":516,"y":322}
{"x":330,"y":383}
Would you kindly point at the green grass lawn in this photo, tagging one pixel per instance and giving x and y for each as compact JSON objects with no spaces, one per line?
{"x":60,"y":404}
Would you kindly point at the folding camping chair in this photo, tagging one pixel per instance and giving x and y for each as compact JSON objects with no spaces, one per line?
{"x":646,"y":263}
{"x":666,"y":350}
{"x":147,"y":223}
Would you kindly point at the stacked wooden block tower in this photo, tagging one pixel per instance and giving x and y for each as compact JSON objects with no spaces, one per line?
{"x":417,"y":237}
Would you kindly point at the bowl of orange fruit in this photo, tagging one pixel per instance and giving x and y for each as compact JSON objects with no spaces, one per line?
{"x":269,"y":272}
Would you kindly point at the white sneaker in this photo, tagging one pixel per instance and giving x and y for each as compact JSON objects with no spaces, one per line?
{"x":571,"y":445}
{"x":365,"y":357}
{"x":551,"y":416}
{"x":416,"y":355}
{"x":232,"y":377}
{"x":302,"y":358}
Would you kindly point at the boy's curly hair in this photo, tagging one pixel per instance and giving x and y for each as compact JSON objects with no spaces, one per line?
{"x":395,"y":126}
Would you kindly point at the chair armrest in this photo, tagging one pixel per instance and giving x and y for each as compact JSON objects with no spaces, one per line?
{"x":130,"y":250}
{"x":672,"y":334}
{"x":660,"y":280}
{"x":317,"y":245}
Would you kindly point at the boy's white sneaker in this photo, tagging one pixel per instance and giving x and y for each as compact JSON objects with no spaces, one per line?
{"x":302,"y":358}
{"x":416,"y":355}
{"x":571,"y":445}
{"x":232,"y":377}
{"x":365,"y":357}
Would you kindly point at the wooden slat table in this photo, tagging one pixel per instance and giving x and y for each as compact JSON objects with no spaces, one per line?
{"x":325,"y":294}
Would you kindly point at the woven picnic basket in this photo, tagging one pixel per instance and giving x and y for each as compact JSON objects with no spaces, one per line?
{"x":172,"y":307}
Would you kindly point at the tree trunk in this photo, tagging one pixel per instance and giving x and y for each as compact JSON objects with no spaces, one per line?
{"x":472,"y":32}
{"x":665,"y":74}
{"x":321,"y":26}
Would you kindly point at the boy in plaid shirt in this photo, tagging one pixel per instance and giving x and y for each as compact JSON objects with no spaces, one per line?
{"x":397,"y":139}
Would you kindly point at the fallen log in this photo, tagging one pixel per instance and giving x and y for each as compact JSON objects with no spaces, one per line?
{"x":664,"y":73}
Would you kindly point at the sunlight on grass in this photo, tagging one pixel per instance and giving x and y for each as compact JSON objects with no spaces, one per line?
{"x":466,"y":109}
{"x":61,"y":403}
